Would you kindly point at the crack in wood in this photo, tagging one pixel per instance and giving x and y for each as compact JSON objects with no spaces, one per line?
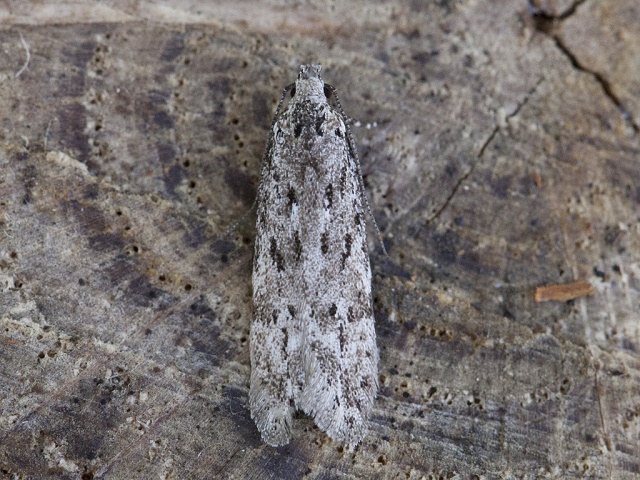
{"x":484,"y":146}
{"x":547,"y":24}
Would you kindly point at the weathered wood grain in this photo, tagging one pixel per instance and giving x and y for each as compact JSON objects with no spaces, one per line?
{"x":500,"y":148}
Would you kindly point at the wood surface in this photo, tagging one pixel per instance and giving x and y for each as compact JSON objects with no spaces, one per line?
{"x":500,"y":146}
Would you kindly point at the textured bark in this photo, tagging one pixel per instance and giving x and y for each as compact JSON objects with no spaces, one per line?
{"x":500,"y":147}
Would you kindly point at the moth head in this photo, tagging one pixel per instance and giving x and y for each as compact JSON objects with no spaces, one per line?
{"x":309,"y":71}
{"x":309,"y":84}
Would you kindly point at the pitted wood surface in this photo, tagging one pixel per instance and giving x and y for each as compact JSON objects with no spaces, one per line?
{"x":500,"y":149}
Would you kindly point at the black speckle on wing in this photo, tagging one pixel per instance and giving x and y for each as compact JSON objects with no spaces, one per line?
{"x":291,"y":196}
{"x":319,"y":123}
{"x":324,"y":243}
{"x":328,"y":195}
{"x":297,"y":246}
{"x":347,"y":248}
{"x":276,"y":255}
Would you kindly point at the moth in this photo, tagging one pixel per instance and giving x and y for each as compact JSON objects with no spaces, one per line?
{"x":313,"y":342}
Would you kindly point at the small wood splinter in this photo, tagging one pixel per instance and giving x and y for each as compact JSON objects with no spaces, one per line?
{"x":562,"y":293}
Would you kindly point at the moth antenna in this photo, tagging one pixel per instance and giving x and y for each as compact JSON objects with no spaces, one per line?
{"x":354,"y":152}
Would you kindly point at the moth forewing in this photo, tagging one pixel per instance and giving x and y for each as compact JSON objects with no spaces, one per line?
{"x":313,"y":344}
